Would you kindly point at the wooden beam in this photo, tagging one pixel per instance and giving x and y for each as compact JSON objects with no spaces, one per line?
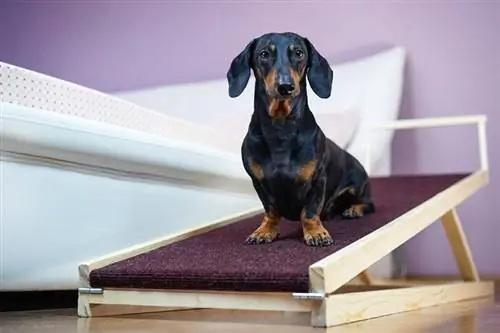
{"x":335,"y":270}
{"x":339,"y":309}
{"x":459,"y":245}
{"x":365,"y":278}
{"x":426,"y":279}
{"x":356,"y":288}
{"x":114,"y":302}
{"x":264,"y":301}
{"x":335,"y":309}
{"x":88,"y":310}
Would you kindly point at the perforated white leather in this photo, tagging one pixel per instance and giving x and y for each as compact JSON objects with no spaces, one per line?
{"x":38,"y":91}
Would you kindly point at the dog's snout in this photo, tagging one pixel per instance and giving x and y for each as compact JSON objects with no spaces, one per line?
{"x":286,"y":89}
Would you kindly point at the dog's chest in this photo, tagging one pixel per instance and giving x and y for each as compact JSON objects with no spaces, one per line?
{"x":285,"y":165}
{"x":287,"y":153}
{"x":286,"y":186}
{"x":283,"y":173}
{"x":280,"y":172}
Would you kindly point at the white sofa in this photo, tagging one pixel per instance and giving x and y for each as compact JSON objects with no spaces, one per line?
{"x":85,"y":173}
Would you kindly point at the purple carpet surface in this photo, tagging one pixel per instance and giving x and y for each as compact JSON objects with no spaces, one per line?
{"x":219,"y":259}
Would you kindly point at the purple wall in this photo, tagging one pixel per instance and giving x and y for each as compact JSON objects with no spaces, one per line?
{"x":454,"y":52}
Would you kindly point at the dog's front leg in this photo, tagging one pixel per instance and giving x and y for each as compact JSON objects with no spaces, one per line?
{"x":315,"y":233}
{"x":268,"y":229}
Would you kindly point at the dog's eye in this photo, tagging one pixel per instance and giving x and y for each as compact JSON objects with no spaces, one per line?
{"x":299,"y":53}
{"x":264,"y":54}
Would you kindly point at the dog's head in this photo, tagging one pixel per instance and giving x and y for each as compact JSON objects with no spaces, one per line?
{"x":281,"y":62}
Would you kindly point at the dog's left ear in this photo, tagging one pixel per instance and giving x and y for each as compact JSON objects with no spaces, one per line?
{"x":239,"y":71}
{"x":320,"y":74}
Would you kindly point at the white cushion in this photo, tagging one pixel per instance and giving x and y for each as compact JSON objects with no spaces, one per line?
{"x":338,"y":126}
{"x":379,"y":80}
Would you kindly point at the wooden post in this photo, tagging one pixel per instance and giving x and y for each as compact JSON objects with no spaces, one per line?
{"x":365,"y":278}
{"x":459,"y":245}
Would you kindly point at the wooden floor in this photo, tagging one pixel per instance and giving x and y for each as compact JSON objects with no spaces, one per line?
{"x":481,"y":316}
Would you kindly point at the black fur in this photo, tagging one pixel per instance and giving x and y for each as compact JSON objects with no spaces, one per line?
{"x":283,"y":137}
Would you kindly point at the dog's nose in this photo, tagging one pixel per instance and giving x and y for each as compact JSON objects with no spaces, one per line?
{"x":286,"y":89}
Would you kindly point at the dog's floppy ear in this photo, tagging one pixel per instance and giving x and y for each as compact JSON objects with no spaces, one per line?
{"x":239,"y":71}
{"x":320,"y":74}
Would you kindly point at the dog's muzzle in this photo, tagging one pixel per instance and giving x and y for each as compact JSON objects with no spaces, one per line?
{"x":286,"y":89}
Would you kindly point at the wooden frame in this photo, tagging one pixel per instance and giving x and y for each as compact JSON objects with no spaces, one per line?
{"x":331,"y":299}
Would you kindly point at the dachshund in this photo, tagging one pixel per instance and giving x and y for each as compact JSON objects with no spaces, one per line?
{"x":298,"y":173}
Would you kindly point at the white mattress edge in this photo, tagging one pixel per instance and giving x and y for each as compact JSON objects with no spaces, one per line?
{"x":51,"y":135}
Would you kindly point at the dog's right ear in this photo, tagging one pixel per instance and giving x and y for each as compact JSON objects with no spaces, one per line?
{"x":239,"y":71}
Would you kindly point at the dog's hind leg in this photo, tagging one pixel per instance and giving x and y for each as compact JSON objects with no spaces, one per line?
{"x":354,"y":199}
{"x":360,"y":209}
{"x":361,"y":204}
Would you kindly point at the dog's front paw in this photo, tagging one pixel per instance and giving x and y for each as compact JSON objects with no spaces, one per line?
{"x":353,"y":212}
{"x":316,"y":235}
{"x":263,"y":234}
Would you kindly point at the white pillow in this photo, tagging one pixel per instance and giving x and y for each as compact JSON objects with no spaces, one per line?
{"x":339,"y":126}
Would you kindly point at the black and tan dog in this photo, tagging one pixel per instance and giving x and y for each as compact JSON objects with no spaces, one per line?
{"x":298,"y":173}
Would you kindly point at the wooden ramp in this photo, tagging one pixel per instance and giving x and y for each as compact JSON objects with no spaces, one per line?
{"x":211,"y":267}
